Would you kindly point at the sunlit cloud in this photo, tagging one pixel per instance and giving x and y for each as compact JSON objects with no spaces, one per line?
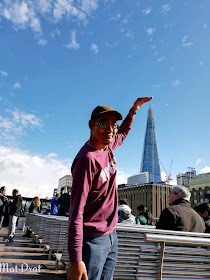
{"x":94,"y":48}
{"x":4,"y":74}
{"x":165,"y":8}
{"x":150,"y":31}
{"x":160,"y":59}
{"x":30,"y":14}
{"x":198,"y":161}
{"x":73,"y":43}
{"x":116,"y":17}
{"x":156,"y":86}
{"x":176,"y":83}
{"x":187,"y":44}
{"x":33,"y":175}
{"x":184,"y":43}
{"x":206,"y":169}
{"x":16,"y":123}
{"x":55,"y":33}
{"x":147,"y":11}
{"x":16,"y":85}
{"x":111,"y":45}
{"x":42,"y":42}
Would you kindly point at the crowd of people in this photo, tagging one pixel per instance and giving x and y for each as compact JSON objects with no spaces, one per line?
{"x":11,"y":209}
{"x":179,"y":216}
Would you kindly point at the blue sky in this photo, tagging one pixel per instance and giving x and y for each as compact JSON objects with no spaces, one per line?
{"x":60,"y":59}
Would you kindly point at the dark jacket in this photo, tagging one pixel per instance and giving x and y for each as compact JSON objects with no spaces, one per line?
{"x":34,"y":209}
{"x":180,"y":217}
{"x":207,"y":224}
{"x":15,"y":205}
{"x":3,"y":204}
{"x":64,"y":201}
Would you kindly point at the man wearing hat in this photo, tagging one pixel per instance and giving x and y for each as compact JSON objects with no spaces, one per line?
{"x":92,"y":240}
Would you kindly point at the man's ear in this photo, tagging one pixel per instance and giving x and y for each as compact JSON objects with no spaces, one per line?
{"x":178,"y":195}
{"x":90,"y":123}
{"x":205,"y":214}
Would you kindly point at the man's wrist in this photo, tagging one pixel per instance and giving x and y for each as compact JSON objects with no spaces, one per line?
{"x":133,"y":112}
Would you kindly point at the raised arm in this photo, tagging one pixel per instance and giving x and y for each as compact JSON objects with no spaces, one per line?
{"x":137,"y":105}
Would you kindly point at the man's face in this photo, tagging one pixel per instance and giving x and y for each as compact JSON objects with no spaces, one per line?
{"x":172,"y":197}
{"x":4,"y":191}
{"x":14,"y":193}
{"x":102,"y":135}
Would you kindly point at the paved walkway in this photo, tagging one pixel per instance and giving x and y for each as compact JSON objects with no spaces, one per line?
{"x":24,"y":260}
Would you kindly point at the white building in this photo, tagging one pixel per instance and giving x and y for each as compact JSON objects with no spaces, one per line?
{"x":64,"y":184}
{"x":184,"y":178}
{"x":140,"y":178}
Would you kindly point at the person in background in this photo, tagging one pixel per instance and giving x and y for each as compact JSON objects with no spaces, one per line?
{"x":54,"y":205}
{"x":203,"y":210}
{"x":148,"y":215}
{"x":47,"y":212}
{"x":15,"y":206}
{"x":35,"y":206}
{"x":3,"y":205}
{"x":124,"y":212}
{"x":179,"y":215}
{"x":140,"y":218}
{"x":64,"y":202}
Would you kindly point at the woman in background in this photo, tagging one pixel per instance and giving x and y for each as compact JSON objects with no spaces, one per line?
{"x":35,"y":206}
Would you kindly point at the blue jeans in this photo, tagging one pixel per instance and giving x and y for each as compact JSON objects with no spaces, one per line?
{"x":99,"y":254}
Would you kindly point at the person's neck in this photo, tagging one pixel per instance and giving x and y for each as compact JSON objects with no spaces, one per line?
{"x":97,"y":146}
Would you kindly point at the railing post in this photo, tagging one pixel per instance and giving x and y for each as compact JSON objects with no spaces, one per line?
{"x":160,"y":267}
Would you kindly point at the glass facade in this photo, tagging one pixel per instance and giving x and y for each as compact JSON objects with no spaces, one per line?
{"x":150,"y":158}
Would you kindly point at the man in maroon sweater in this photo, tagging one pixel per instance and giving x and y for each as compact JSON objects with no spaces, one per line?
{"x":92,"y":240}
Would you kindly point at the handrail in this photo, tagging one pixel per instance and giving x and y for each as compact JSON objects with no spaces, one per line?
{"x":176,"y":239}
{"x":150,"y":229}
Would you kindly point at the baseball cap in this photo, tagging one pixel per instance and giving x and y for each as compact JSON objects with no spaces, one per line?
{"x":101,"y":109}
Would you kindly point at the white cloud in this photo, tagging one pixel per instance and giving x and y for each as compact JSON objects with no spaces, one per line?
{"x":89,"y":5}
{"x":42,"y":42}
{"x":187,"y":44}
{"x":32,"y":175}
{"x":4,"y":74}
{"x":184,"y":38}
{"x":176,"y":83}
{"x":73,"y":44}
{"x":55,"y":33}
{"x":147,"y":11}
{"x":16,"y":124}
{"x":206,"y":169}
{"x":198,"y":161}
{"x":16,"y":85}
{"x":124,"y":21}
{"x":116,"y":17}
{"x":205,"y":25}
{"x":29,"y":14}
{"x":150,"y":31}
{"x":1,"y":98}
{"x":44,"y":6}
{"x":156,"y":86}
{"x":201,"y":63}
{"x":94,"y":48}
{"x":165,"y":8}
{"x":160,"y":59}
{"x":111,"y":45}
{"x":121,"y":177}
{"x":22,"y":14}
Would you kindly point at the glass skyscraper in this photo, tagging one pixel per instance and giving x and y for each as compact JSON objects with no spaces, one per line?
{"x":150,"y":158}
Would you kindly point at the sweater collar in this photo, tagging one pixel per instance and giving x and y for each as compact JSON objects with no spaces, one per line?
{"x":180,"y":200}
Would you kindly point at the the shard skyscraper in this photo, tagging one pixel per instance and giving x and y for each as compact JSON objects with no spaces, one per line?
{"x":150,"y":158}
